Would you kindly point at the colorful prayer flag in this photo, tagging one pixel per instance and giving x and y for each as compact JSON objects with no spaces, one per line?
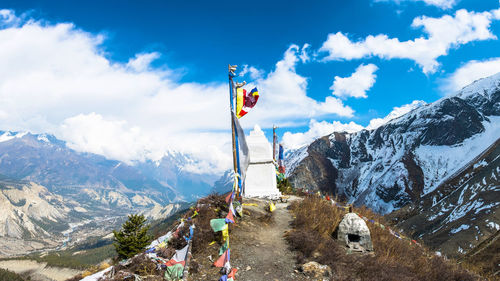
{"x":221,"y":261}
{"x":230,"y":217}
{"x":244,"y":101}
{"x":179,"y":257}
{"x":224,"y":247}
{"x":218,"y":224}
{"x":225,"y":233}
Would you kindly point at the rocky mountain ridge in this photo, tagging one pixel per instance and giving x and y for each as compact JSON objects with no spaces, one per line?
{"x":440,"y":160}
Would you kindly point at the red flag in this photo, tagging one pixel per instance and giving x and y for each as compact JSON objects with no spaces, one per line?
{"x":228,"y":197}
{"x":232,"y":273}
{"x":230,"y":217}
{"x":222,"y":259}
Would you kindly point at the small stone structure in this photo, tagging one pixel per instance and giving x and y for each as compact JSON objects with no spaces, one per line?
{"x":354,"y":233}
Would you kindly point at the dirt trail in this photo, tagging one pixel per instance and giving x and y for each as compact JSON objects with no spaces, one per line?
{"x":262,"y":249}
{"x":258,"y":249}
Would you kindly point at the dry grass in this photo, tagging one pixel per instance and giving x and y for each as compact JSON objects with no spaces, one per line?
{"x":210,"y":207}
{"x":394,"y":259}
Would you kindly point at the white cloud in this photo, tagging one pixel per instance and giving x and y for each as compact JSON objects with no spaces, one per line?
{"x":357,"y":84}
{"x":132,"y":111}
{"x":317,"y":130}
{"x":284,"y":97}
{"x":323,"y":128}
{"x":253,"y":72}
{"x":395,"y":113}
{"x":304,"y":54}
{"x":142,"y":62}
{"x":443,"y":4}
{"x":470,"y":72}
{"x":442,"y":34}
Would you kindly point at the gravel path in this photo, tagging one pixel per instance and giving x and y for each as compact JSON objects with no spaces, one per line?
{"x":260,"y":250}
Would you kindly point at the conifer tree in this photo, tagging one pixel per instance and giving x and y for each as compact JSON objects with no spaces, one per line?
{"x":133,"y":237}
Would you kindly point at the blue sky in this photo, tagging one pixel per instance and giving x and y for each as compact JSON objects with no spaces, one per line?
{"x":190,"y":44}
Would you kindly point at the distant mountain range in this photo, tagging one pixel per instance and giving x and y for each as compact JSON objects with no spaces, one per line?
{"x":46,"y":187}
{"x":440,"y":160}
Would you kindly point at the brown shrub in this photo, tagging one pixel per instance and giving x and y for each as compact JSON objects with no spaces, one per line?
{"x":317,"y":214}
{"x":194,"y":267}
{"x":394,"y":259}
{"x":166,"y":252}
{"x":210,"y":207}
{"x":304,"y":242}
{"x":142,"y":265}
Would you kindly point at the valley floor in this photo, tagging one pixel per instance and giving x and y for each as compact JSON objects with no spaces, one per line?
{"x":38,"y":271}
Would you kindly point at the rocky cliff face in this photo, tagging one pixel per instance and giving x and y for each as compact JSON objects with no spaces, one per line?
{"x":460,"y":213}
{"x":406,"y":158}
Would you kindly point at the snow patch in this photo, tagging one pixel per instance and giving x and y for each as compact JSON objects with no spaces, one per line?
{"x":493,"y":225}
{"x":462,"y":227}
{"x":6,"y":136}
{"x":440,"y":162}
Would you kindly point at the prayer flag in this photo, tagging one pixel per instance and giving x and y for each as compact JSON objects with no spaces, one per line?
{"x":232,"y":273}
{"x":244,"y":101}
{"x":229,"y":197}
{"x":230,"y":217}
{"x":221,"y":261}
{"x":281,"y":163}
{"x":179,"y":257}
{"x":243,"y":149}
{"x":218,"y":224}
{"x":225,"y":233}
{"x":224,"y":247}
{"x":174,"y":272}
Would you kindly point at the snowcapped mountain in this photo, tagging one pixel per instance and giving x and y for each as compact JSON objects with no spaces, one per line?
{"x":406,"y":158}
{"x":440,"y":161}
{"x":48,"y":161}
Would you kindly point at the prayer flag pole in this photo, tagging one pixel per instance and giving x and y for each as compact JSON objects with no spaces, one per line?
{"x":275,"y":138}
{"x":236,"y":162}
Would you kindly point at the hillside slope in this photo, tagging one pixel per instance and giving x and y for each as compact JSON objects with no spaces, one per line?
{"x":462,"y":212}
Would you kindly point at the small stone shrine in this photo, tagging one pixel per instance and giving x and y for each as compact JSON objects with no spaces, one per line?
{"x":354,"y":233}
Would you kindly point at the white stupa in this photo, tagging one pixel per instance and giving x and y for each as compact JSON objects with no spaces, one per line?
{"x":260,"y":178}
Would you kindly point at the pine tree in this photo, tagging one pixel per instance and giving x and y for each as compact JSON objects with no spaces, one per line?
{"x":132,"y":238}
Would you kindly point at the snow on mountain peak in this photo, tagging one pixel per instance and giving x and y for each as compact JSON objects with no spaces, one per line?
{"x":395,"y":113}
{"x":483,"y":86}
{"x":6,"y":136}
